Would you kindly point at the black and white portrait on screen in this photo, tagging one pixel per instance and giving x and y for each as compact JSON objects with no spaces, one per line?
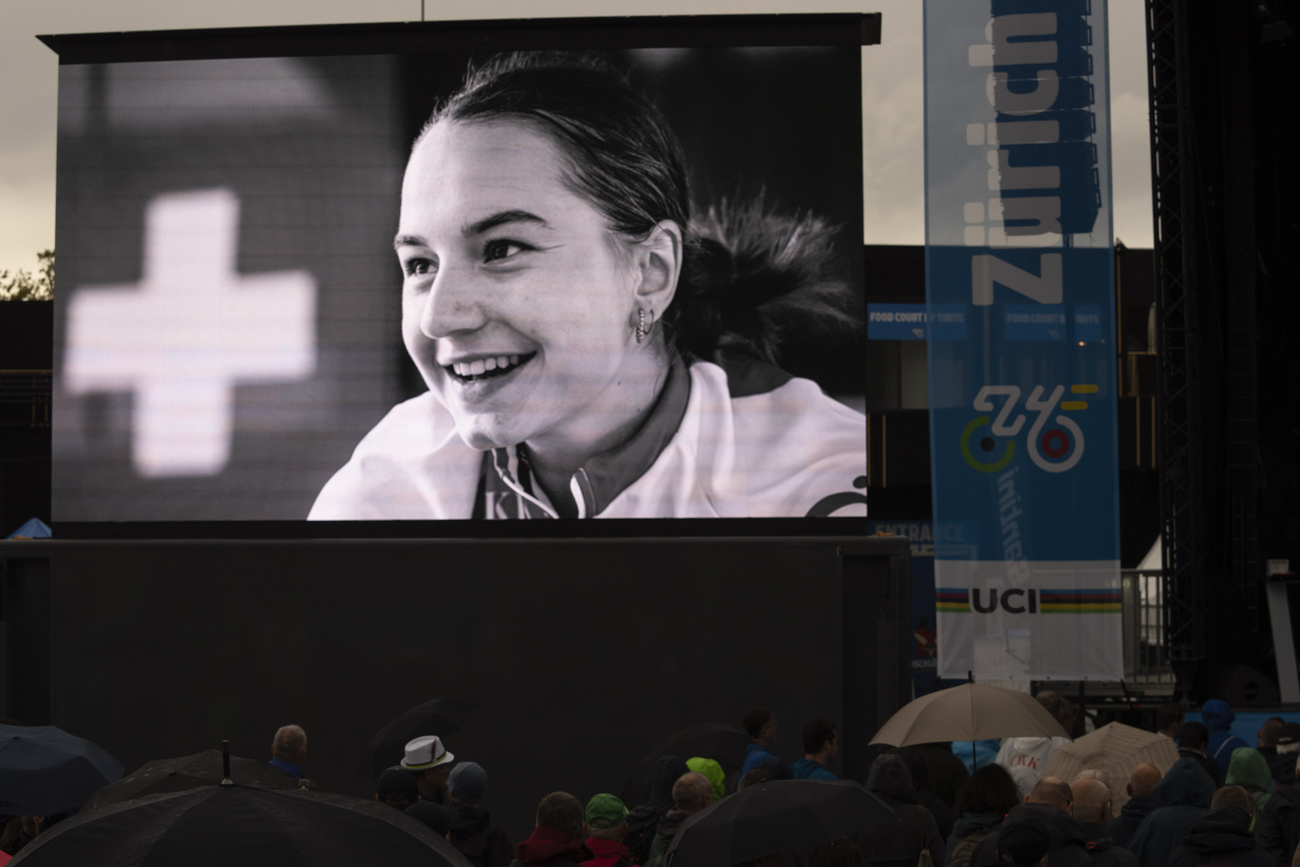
{"x":637,"y":309}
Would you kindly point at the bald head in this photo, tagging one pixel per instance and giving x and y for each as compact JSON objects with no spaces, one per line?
{"x":289,"y":744}
{"x":1143,"y":782}
{"x":1052,"y":791}
{"x":1091,"y":800}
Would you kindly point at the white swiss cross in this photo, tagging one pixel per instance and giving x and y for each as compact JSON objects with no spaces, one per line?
{"x":190,"y":330}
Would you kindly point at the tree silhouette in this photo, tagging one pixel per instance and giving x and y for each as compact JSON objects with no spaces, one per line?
{"x":24,"y":286}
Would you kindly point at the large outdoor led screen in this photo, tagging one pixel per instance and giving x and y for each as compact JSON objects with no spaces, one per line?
{"x":588,"y":269}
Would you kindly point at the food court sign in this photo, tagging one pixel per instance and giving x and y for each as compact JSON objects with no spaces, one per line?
{"x":1022,"y":401}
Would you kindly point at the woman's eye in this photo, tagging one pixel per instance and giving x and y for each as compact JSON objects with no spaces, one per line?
{"x":495,"y":251}
{"x":418,"y":267}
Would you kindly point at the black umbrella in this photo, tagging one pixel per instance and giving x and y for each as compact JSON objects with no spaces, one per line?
{"x":438,"y":716}
{"x":191,"y":772}
{"x":770,"y":817}
{"x":45,"y":771}
{"x":218,"y":826}
{"x":723,"y":743}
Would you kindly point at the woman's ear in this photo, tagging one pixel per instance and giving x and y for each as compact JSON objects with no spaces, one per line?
{"x":659,"y":265}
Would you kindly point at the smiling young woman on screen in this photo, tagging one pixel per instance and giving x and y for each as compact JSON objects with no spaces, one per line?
{"x":589,"y":349}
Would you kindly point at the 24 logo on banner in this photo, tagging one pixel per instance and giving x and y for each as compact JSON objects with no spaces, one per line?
{"x":1054,"y":449}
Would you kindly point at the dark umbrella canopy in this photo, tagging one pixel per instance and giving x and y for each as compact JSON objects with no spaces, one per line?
{"x":45,"y":771}
{"x":220,"y":826}
{"x":723,"y":743}
{"x":438,"y":716}
{"x":191,"y":772}
{"x":770,"y":817}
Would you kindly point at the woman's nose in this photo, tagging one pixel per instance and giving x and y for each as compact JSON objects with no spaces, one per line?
{"x":452,"y":304}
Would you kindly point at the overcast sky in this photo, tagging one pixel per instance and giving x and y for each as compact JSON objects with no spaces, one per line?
{"x":892,"y":92}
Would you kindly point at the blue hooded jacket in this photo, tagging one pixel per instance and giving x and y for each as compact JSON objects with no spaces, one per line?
{"x":1218,"y":715}
{"x":1182,"y":797}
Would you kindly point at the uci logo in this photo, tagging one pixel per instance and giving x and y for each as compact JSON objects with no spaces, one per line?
{"x":1054,"y":449}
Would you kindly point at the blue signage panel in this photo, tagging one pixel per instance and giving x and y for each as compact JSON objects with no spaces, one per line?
{"x":915,"y":322}
{"x":1023,"y":403}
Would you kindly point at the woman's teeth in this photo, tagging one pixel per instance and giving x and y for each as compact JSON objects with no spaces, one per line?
{"x":485,"y":365}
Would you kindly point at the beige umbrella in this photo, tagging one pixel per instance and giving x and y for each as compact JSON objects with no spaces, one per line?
{"x":1114,"y":750}
{"x":970,"y":712}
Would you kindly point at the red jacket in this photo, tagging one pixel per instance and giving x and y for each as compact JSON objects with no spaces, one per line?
{"x":548,"y":845}
{"x":607,"y":853}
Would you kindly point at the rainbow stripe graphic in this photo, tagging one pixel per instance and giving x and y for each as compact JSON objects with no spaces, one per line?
{"x":1079,"y":601}
{"x":954,"y":600}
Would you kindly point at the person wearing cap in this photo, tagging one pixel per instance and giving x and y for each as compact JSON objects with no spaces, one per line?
{"x":557,"y":838}
{"x":1282,"y":767}
{"x":606,"y":831}
{"x":430,"y":760}
{"x":397,"y":788}
{"x":289,"y":749}
{"x":473,"y":833}
{"x":1218,"y":717}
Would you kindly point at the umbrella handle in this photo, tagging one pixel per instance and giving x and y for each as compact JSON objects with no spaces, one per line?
{"x":225,"y":764}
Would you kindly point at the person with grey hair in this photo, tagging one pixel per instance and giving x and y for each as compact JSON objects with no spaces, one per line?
{"x":896,"y":828}
{"x":472,"y":831}
{"x":289,"y":749}
{"x":691,"y":793}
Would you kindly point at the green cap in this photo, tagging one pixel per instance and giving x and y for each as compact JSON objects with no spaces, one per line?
{"x":605,"y":811}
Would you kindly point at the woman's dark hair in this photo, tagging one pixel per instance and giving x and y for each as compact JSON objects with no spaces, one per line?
{"x":989,"y":790}
{"x":747,"y":274}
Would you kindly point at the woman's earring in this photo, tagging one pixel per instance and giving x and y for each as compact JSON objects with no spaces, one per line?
{"x":642,"y":326}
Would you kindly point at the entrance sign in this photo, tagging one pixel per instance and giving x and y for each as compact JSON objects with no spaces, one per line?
{"x":1023,"y":402}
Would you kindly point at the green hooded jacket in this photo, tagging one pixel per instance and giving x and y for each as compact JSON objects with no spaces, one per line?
{"x":1249,"y":769}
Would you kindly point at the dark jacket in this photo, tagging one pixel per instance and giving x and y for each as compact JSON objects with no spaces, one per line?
{"x":552,"y":847}
{"x":475,"y":837}
{"x":1283,"y":768}
{"x":1218,"y":715}
{"x":967,"y":833}
{"x":1222,"y":834}
{"x":1278,"y":828}
{"x":1182,"y":797}
{"x":1125,"y":825}
{"x":1207,"y":764}
{"x":664,"y":834}
{"x":1102,"y":848}
{"x":1072,"y":851}
{"x":890,"y":834}
{"x":947,"y":772}
{"x":643,"y":821}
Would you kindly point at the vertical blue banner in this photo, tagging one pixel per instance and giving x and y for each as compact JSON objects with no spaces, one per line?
{"x":1023,"y":406}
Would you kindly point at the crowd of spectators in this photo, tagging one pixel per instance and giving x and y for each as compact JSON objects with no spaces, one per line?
{"x":1222,"y":802}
